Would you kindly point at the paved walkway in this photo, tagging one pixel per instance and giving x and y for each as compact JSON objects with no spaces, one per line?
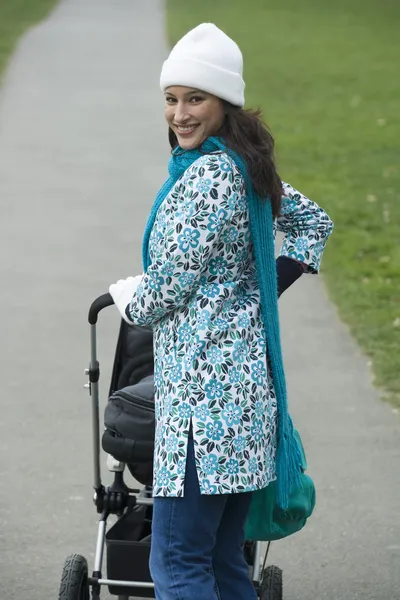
{"x":82,"y":152}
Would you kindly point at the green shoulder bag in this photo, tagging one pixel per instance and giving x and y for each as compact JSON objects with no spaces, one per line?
{"x":268,"y":522}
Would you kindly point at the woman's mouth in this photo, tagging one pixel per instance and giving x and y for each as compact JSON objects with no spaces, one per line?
{"x":185,"y":130}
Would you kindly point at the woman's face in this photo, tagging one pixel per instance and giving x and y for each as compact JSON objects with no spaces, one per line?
{"x":192,"y":115}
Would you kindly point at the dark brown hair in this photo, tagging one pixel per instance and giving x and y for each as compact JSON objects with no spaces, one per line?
{"x":245,"y":132}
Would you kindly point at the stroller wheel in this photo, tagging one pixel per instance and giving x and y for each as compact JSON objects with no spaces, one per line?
{"x":74,"y":580}
{"x":271,"y":583}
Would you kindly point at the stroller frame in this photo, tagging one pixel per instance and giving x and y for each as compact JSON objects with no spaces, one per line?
{"x":117,"y":498}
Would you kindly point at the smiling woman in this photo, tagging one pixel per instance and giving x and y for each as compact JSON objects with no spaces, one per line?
{"x":193,"y":116}
{"x":209,"y":101}
{"x":209,"y":291}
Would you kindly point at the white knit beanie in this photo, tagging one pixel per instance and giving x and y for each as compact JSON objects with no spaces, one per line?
{"x":208,"y":60}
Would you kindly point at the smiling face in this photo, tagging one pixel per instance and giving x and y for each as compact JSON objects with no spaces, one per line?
{"x":192,"y":115}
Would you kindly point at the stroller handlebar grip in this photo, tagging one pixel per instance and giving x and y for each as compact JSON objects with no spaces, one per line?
{"x":98,"y":305}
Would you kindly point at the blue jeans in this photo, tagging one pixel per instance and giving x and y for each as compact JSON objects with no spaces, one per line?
{"x":197,"y":544}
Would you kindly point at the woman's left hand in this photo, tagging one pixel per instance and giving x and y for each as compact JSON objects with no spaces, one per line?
{"x":122,"y":293}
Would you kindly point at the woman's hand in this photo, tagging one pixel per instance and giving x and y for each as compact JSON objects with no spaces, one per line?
{"x":122,"y":293}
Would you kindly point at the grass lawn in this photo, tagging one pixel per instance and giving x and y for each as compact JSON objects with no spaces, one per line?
{"x":326,"y":75}
{"x":15,"y":17}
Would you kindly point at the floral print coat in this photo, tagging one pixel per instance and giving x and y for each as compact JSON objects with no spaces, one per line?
{"x":201,"y":297}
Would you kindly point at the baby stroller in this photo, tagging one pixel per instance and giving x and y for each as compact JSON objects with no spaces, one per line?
{"x":128,"y":540}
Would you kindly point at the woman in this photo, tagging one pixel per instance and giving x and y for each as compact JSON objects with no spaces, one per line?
{"x":209,"y":290}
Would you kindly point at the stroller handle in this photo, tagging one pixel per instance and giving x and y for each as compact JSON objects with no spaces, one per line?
{"x":98,"y":305}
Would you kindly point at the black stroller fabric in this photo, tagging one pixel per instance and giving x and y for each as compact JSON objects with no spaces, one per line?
{"x":129,"y":417}
{"x":134,"y":358}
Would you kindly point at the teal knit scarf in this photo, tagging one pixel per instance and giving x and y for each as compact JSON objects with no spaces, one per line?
{"x":288,"y":457}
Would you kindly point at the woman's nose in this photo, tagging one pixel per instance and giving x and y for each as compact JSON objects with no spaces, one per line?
{"x":181,"y":113}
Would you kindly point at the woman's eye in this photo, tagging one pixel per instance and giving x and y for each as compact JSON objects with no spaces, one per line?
{"x":196,"y":99}
{"x":169,"y":100}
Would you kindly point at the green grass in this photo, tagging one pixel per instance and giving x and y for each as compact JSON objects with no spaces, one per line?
{"x":326,"y":75}
{"x":15,"y":17}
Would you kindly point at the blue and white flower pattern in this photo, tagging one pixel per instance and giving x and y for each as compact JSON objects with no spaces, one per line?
{"x":306,"y":226}
{"x":201,"y":297}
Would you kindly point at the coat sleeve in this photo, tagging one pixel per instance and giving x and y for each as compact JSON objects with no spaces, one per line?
{"x":306,"y":227}
{"x":199,"y":220}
